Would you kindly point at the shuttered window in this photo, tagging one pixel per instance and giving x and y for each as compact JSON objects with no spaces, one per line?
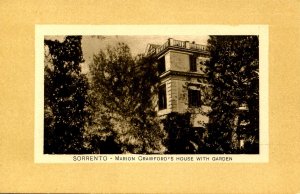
{"x":162,"y":97}
{"x":194,"y":98}
{"x":161,"y":65}
{"x":193,"y":65}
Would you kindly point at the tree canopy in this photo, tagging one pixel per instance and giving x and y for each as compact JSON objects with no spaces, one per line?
{"x":65,"y":92}
{"x":233,"y":72}
{"x":124,"y":92}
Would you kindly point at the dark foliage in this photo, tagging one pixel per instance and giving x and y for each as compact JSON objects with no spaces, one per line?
{"x":233,"y":73}
{"x":182,"y":138}
{"x":123,"y":90}
{"x":65,"y":97}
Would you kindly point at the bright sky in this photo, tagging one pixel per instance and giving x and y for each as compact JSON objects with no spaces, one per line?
{"x":137,"y":44}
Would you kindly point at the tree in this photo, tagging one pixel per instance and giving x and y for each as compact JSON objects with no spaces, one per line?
{"x":182,"y":138}
{"x":124,"y":89}
{"x":233,"y":74}
{"x":65,"y":93}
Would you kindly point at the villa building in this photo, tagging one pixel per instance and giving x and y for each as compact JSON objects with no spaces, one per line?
{"x":182,"y":79}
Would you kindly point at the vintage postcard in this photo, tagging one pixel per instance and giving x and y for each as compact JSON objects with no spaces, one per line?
{"x":151,"y":94}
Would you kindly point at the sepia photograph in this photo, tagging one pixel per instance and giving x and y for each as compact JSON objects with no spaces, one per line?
{"x":159,"y":95}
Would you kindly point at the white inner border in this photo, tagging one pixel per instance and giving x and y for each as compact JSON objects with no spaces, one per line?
{"x":44,"y":30}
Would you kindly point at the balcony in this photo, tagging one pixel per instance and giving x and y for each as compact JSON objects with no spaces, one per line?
{"x":178,"y":44}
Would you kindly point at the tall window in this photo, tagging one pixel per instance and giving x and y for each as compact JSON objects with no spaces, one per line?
{"x":193,"y":64}
{"x":194,"y":98}
{"x":161,"y":65}
{"x":162,"y":97}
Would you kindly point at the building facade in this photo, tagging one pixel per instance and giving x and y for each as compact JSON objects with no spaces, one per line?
{"x":183,"y":85}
